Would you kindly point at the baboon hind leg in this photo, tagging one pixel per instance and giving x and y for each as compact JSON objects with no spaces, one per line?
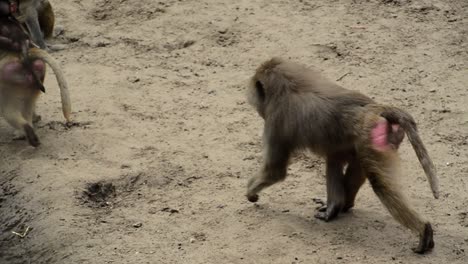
{"x":335,"y":189}
{"x":16,"y":120}
{"x":19,"y":114}
{"x":353,"y":180}
{"x":384,"y":185}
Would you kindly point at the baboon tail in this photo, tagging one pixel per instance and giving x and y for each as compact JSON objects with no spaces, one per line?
{"x":399,"y":116}
{"x":36,"y":53}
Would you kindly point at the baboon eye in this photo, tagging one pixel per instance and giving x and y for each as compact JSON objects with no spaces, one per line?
{"x":260,"y":90}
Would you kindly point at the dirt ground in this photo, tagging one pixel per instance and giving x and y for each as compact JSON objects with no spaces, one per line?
{"x":155,"y":169}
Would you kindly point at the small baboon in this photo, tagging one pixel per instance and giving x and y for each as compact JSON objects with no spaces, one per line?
{"x":39,"y":18}
{"x":18,"y":92}
{"x":358,"y":138}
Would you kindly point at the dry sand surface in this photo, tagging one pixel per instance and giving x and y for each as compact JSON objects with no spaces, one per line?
{"x":155,"y":167}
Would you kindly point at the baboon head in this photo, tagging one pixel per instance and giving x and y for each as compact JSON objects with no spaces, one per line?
{"x":270,"y":81}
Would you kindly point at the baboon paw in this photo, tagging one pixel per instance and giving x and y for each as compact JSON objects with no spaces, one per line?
{"x":322,"y":208}
{"x":325,"y":216}
{"x":319,"y":202}
{"x":322,"y":205}
{"x":426,"y":242}
{"x":322,"y":216}
{"x":31,"y":136}
{"x":252,"y":198}
{"x":34,"y":142}
{"x":327,"y":213}
{"x":421,"y":250}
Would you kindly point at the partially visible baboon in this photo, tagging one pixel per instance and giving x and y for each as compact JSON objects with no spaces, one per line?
{"x":14,"y":38}
{"x":39,"y":18}
{"x":303,"y":110}
{"x":18,"y":92}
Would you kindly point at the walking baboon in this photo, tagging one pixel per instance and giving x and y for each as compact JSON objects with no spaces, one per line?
{"x":18,"y":93}
{"x":14,"y":38}
{"x":303,"y":110}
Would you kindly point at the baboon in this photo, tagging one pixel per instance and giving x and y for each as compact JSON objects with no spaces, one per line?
{"x":14,"y":38}
{"x":303,"y":110}
{"x":39,"y":18}
{"x":18,"y":93}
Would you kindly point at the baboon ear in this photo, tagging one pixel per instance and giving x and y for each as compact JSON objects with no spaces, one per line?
{"x":260,"y":90}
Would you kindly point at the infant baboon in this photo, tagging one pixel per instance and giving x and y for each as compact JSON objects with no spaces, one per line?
{"x":303,"y":110}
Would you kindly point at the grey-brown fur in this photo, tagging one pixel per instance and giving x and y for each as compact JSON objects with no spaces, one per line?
{"x":303,"y":110}
{"x":39,"y":18}
{"x":18,"y":102}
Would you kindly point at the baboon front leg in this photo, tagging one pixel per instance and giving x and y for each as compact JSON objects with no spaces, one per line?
{"x":353,"y":180}
{"x":335,"y":190}
{"x":273,"y":170}
{"x":389,"y":194}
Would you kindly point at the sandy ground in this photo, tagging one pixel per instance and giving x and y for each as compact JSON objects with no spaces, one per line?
{"x":156,"y":167}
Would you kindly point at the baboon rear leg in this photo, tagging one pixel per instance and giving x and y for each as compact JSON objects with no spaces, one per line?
{"x":29,"y":114}
{"x":19,"y":114}
{"x":335,"y":190}
{"x":31,"y":135}
{"x":273,"y":170}
{"x":353,"y":180}
{"x":384,"y":185}
{"x":18,"y":122}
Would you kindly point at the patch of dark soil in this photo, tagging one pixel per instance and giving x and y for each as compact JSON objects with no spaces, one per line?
{"x":396,"y":2}
{"x":98,"y":194}
{"x":131,"y":186}
{"x":7,"y":188}
{"x":61,"y":126}
{"x":15,"y":220}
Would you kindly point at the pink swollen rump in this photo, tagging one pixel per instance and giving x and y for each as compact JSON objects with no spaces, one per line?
{"x":14,"y":72}
{"x":379,"y":135}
